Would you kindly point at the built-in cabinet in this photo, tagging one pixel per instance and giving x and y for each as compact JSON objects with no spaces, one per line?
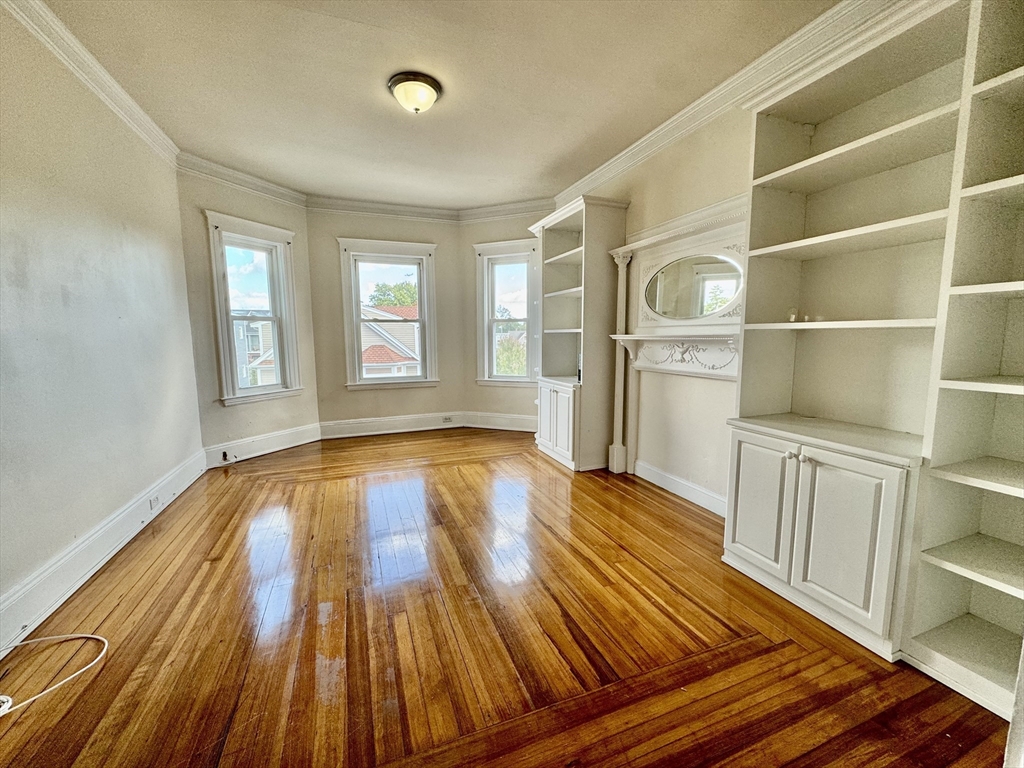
{"x":882,"y":350}
{"x":557,"y":425}
{"x":578,"y":279}
{"x":819,"y":523}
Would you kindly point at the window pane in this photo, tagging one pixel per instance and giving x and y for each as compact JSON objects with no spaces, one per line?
{"x":509,"y":348}
{"x":248,"y":284}
{"x":389,"y":291}
{"x":716,"y":293}
{"x":391,"y":350}
{"x":508,"y":297}
{"x":255,"y":358}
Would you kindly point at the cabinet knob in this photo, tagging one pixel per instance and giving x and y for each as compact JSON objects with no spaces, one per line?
{"x":790,"y":455}
{"x":803,"y":459}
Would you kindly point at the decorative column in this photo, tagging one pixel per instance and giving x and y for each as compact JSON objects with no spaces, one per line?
{"x":617,"y":451}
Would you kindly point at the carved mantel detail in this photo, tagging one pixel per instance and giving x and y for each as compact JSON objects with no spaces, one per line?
{"x":710,"y":356}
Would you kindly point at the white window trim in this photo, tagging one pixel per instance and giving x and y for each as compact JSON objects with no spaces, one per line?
{"x":382,"y":251}
{"x":279,"y":269}
{"x":488,"y":254}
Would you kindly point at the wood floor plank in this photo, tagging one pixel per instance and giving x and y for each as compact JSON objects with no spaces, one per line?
{"x":455,"y":598}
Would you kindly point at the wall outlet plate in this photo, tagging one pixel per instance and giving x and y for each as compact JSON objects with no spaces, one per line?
{"x":154,"y":503}
{"x":446,"y":419}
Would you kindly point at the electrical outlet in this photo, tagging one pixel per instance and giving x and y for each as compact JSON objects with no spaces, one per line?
{"x":154,"y":503}
{"x":446,"y":419}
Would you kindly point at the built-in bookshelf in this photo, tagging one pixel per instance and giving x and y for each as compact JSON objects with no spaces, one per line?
{"x":578,"y":318}
{"x":964,"y":617}
{"x":884,"y":296}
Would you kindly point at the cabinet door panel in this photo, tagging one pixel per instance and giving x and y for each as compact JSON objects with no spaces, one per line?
{"x":544,"y":416}
{"x":563,"y":423}
{"x":846,"y":530}
{"x":762,"y":495}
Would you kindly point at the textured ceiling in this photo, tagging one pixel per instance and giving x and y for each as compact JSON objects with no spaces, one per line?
{"x":537,"y":94}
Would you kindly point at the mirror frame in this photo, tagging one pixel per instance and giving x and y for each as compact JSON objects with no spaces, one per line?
{"x":737,"y":297}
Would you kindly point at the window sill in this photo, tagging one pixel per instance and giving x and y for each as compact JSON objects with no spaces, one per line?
{"x":506,"y":383}
{"x":260,"y":396}
{"x":394,"y":384}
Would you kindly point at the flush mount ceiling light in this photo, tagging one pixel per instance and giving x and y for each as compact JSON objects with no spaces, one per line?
{"x":415,"y":91}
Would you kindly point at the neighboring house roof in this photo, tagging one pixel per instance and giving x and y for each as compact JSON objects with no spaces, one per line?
{"x":406,"y":313}
{"x":380,"y":354}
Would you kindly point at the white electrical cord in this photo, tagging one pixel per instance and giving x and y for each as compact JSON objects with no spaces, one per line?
{"x":7,"y":703}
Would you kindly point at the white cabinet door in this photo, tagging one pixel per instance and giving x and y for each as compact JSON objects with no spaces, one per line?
{"x":762,"y":496}
{"x":545,"y":414}
{"x":847,"y":526}
{"x":564,"y":423}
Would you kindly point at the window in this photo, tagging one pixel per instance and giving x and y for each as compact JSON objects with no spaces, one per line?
{"x":507,"y":275}
{"x":255,"y":309}
{"x":389,"y":312}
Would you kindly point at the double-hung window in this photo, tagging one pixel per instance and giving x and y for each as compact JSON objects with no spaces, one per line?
{"x":389,"y":304}
{"x":507,"y":308}
{"x":258,"y":346}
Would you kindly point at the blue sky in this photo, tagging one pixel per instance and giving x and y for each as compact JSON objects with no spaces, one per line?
{"x":247,"y":278}
{"x":510,"y":287}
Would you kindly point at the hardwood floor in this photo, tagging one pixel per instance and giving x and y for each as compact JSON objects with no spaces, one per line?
{"x":456,"y":599}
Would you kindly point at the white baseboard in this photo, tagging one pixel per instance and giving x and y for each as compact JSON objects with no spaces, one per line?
{"x":386,"y":425}
{"x":28,"y":603}
{"x":251,"y":447}
{"x":699,"y":496}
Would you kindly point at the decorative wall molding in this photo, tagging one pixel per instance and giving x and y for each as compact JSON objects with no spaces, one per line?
{"x":37,"y":17}
{"x":251,"y":447}
{"x":386,"y":425}
{"x":729,"y":211}
{"x":28,"y":603}
{"x":707,"y":356}
{"x":837,"y":36}
{"x":197,"y":166}
{"x":702,"y":497}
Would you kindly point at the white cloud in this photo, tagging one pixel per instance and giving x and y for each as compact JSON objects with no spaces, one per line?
{"x":251,"y":300}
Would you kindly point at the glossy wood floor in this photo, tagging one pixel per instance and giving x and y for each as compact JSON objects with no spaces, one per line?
{"x":456,"y":599}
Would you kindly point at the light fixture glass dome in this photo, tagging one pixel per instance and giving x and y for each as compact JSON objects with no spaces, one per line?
{"x":415,"y":91}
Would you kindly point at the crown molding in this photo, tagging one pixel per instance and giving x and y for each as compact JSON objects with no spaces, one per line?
{"x":197,"y":166}
{"x":38,"y":19}
{"x":842,"y":33}
{"x":341,"y":205}
{"x":508,"y":210}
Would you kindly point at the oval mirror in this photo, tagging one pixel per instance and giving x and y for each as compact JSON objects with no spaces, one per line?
{"x":694,"y":286}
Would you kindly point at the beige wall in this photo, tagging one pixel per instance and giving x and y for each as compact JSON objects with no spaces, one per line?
{"x":487,"y":398}
{"x":338,"y":403}
{"x":455,"y":289}
{"x":222,"y":424}
{"x":97,"y":381}
{"x":682,"y":429}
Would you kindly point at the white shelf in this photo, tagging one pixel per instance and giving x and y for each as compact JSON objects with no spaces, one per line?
{"x":841,"y":325}
{"x":903,"y":448}
{"x":1008,"y":86}
{"x":988,"y":472}
{"x":576,"y":293}
{"x":1001,"y":385}
{"x":978,"y":646}
{"x":927,"y":135}
{"x":1013,"y":290}
{"x":563,"y":330}
{"x":572,"y":258}
{"x":985,"y":559}
{"x":887,"y":234}
{"x":1008,"y":191}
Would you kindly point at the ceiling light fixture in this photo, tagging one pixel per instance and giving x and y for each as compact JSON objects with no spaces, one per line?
{"x":415,"y":91}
